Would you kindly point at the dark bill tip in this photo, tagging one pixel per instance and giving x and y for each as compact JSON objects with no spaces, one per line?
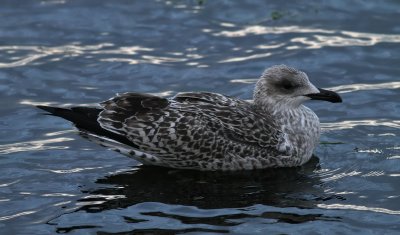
{"x":326,"y":95}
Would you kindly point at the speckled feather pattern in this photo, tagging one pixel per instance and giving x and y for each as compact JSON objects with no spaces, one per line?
{"x":208,"y":131}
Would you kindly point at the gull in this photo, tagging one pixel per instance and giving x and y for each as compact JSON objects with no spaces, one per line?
{"x":210,"y":131}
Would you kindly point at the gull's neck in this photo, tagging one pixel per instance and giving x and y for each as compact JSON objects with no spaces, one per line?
{"x":280,"y":107}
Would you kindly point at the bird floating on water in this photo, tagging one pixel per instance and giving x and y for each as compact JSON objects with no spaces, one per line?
{"x":209,"y":131}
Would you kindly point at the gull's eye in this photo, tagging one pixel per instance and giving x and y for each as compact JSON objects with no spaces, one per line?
{"x":288,"y":85}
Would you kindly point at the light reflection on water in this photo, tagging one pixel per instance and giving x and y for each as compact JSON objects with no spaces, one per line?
{"x":365,"y":87}
{"x":32,"y":146}
{"x":113,"y":54}
{"x":327,"y":37}
{"x":353,"y":124}
{"x":360,"y":208}
{"x":67,"y":53}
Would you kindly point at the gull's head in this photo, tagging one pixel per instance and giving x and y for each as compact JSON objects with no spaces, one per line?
{"x":288,"y":87}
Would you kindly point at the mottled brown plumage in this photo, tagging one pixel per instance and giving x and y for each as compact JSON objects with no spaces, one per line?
{"x":209,"y":131}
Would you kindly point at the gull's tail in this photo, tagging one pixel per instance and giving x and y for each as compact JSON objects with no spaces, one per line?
{"x":85,"y":119}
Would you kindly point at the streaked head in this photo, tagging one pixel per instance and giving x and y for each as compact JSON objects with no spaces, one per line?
{"x":283,"y":85}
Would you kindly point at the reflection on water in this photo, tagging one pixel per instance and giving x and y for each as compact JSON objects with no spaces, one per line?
{"x":365,"y":87}
{"x":352,"y":124}
{"x":136,"y":54}
{"x":359,"y":208}
{"x":209,"y":190}
{"x":108,"y":52}
{"x":320,"y":37}
{"x":211,"y":201}
{"x":209,"y":195}
{"x":104,"y":52}
{"x":32,"y":146}
{"x":16,"y":215}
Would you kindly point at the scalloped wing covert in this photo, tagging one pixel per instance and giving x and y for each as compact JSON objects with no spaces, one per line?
{"x":193,"y":129}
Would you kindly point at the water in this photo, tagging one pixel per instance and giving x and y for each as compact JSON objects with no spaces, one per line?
{"x":82,"y":52}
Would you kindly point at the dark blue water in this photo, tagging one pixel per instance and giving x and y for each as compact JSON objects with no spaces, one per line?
{"x":64,"y":52}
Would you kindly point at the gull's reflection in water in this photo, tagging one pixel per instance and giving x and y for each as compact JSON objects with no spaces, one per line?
{"x":287,"y":187}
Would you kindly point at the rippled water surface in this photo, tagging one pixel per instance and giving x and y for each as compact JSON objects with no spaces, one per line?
{"x":64,"y":52}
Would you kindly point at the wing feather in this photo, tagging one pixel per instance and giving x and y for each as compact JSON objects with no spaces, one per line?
{"x":189,"y":123}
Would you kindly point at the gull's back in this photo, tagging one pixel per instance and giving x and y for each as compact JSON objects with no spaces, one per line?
{"x":203,"y":131}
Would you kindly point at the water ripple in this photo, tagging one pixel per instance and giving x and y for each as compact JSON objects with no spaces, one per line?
{"x":358,"y":208}
{"x":103,"y":52}
{"x":16,"y":215}
{"x":74,"y":170}
{"x":33,"y":145}
{"x":319,"y":37}
{"x":365,"y":87}
{"x":355,"y":123}
{"x":30,"y":54}
{"x":260,"y":30}
{"x":238,"y":59}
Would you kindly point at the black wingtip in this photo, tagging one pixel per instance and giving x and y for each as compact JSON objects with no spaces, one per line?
{"x":47,"y":108}
{"x":85,"y":118}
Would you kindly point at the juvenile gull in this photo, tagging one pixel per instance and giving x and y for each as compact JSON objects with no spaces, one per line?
{"x":209,"y":131}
